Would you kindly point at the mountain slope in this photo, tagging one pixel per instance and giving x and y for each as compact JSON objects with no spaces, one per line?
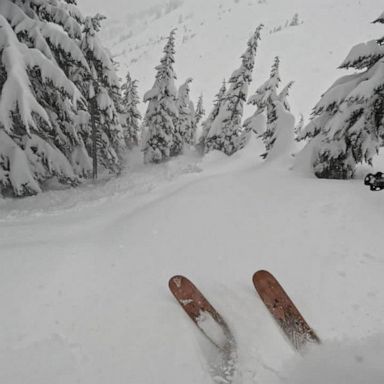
{"x":212,"y":35}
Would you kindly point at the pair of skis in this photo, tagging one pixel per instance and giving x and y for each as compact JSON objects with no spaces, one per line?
{"x":278,"y":303}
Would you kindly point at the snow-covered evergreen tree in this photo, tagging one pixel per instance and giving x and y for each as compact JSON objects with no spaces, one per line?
{"x":257,"y":124}
{"x":295,"y":20}
{"x":299,"y":127}
{"x":45,"y":91}
{"x":200,"y":111}
{"x":283,"y":138}
{"x":130,"y":115}
{"x":226,"y":129}
{"x":102,"y":90}
{"x":39,"y":101}
{"x":283,"y":96}
{"x":266,"y":98}
{"x":207,"y":123}
{"x":186,"y":122}
{"x":162,"y":138}
{"x":347,"y":122}
{"x":263,"y":99}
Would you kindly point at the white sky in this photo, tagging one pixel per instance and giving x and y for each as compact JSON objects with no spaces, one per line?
{"x":114,"y":7}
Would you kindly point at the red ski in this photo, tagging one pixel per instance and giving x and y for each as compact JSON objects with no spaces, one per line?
{"x":203,"y":314}
{"x":211,"y":324}
{"x":284,"y":311}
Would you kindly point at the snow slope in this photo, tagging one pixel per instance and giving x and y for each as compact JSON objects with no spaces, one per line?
{"x":84,"y":274}
{"x":213,"y":34}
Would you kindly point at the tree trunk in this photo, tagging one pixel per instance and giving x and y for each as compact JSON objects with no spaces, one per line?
{"x":94,"y":137}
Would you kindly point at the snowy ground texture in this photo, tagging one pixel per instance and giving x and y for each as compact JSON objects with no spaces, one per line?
{"x":84,"y":273}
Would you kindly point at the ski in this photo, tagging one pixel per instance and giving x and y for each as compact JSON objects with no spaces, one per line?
{"x":283,"y":310}
{"x":203,"y":314}
{"x":209,"y":321}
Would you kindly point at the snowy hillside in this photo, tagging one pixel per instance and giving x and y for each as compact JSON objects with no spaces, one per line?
{"x":84,"y":272}
{"x":212,"y":35}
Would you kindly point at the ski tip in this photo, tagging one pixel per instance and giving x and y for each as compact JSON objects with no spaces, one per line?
{"x":175,"y":282}
{"x":261,"y":274}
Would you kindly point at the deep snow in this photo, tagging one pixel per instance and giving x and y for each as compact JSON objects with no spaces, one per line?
{"x":84,"y":272}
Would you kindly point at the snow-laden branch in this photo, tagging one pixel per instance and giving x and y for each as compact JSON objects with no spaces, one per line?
{"x":17,"y":94}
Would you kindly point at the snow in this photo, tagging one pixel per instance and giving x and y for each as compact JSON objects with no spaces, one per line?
{"x":365,"y":356}
{"x":210,"y":327}
{"x":338,"y":92}
{"x":369,"y":85}
{"x":17,"y":94}
{"x":284,"y":145}
{"x":40,"y":154}
{"x":17,"y":59}
{"x":29,"y":365}
{"x":359,"y":51}
{"x":58,"y":39}
{"x":19,"y":175}
{"x":308,"y":51}
{"x":91,"y":266}
{"x":84,"y":272}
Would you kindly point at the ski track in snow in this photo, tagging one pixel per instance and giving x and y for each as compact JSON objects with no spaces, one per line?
{"x":95,"y":274}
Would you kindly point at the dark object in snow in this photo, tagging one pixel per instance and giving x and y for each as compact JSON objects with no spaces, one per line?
{"x":284,"y":311}
{"x":375,"y":181}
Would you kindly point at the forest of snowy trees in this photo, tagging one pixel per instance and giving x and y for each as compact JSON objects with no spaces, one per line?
{"x":65,"y":116}
{"x":60,"y":97}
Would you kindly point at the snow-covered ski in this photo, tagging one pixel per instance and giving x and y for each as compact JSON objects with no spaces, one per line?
{"x":283,"y":310}
{"x":203,"y":314}
{"x":209,"y":321}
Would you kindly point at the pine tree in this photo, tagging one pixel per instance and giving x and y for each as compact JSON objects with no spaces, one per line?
{"x":295,"y":20}
{"x":226,"y":129}
{"x":299,"y":127}
{"x":260,"y":122}
{"x":186,"y":121}
{"x":200,"y":111}
{"x":283,"y":137}
{"x":130,"y":114}
{"x":161,"y":119}
{"x":207,"y":124}
{"x":266,"y":99}
{"x":347,"y":122}
{"x":283,"y":96}
{"x":268,"y":93}
{"x":281,"y":99}
{"x":45,"y":93}
{"x":102,"y":90}
{"x":39,"y":102}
